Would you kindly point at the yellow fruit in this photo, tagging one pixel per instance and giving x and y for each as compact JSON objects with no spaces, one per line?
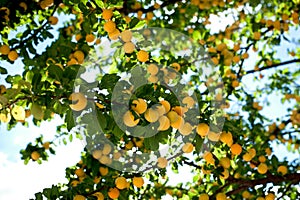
{"x":79,"y":55}
{"x":260,"y":198}
{"x":151,"y":115}
{"x":142,"y":56}
{"x":202,"y":129}
{"x":203,"y":197}
{"x":235,"y":83}
{"x":46,"y":145}
{"x":18,"y":112}
{"x":224,"y":174}
{"x":177,"y":124}
{"x":12,"y":55}
{"x":208,"y":157}
{"x":37,"y":111}
{"x":113,"y":193}
{"x":245,"y":55}
{"x":126,"y":36}
{"x":23,"y":5}
{"x":247,"y":157}
{"x":186,"y":129}
{"x":128,"y":47}
{"x":103,"y":171}
{"x":189,"y":101}
{"x":282,"y":169}
{"x":114,"y":35}
{"x":106,"y":149}
{"x":98,"y":41}
{"x":107,"y":14}
{"x":270,"y":196}
{"x":262,"y":168}
{"x":173,"y":116}
{"x":80,"y":101}
{"x":221,"y":196}
{"x":78,"y":37}
{"x":129,"y":120}
{"x":35,"y":155}
{"x":152,"y":69}
{"x":109,"y":26}
{"x":162,"y":162}
{"x":225,"y":162}
{"x":53,"y":20}
{"x":89,"y":38}
{"x":175,"y":66}
{"x":180,"y":110}
{"x":153,"y":79}
{"x":164,"y":123}
{"x":236,"y":59}
{"x":188,"y":147}
{"x":252,"y":152}
{"x":246,"y":194}
{"x":4,"y":49}
{"x":256,"y":35}
{"x":97,"y":154}
{"x":105,"y":160}
{"x":79,"y":172}
{"x":262,"y":159}
{"x":166,"y":105}
{"x":121,"y":183}
{"x":79,"y":197}
{"x":99,"y":195}
{"x":138,"y":182}
{"x":139,"y":105}
{"x":212,"y":136}
{"x":236,"y":149}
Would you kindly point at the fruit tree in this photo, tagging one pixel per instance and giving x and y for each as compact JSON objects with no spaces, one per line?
{"x":208,"y":86}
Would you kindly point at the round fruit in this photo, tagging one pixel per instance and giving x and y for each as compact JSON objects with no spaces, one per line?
{"x":138,"y":182}
{"x":97,"y":154}
{"x":121,"y":183}
{"x":35,"y":155}
{"x":128,"y":47}
{"x":164,"y":123}
{"x":114,"y":35}
{"x":110,"y":26}
{"x":202,"y":129}
{"x":79,"y":197}
{"x":12,"y":55}
{"x":18,"y":112}
{"x":53,"y":20}
{"x":203,"y":197}
{"x":236,"y":149}
{"x":177,"y":124}
{"x":212,"y":136}
{"x":188,"y":147}
{"x":152,"y":69}
{"x":80,"y":101}
{"x":270,"y":196}
{"x":37,"y":111}
{"x":106,"y":149}
{"x":151,"y":115}
{"x":126,"y":36}
{"x":221,"y":196}
{"x":225,"y":162}
{"x":89,"y":38}
{"x":129,"y":120}
{"x":246,"y":194}
{"x":113,"y":193}
{"x":162,"y":162}
{"x":46,"y":145}
{"x":107,"y":14}
{"x":235,"y":83}
{"x":175,"y":66}
{"x":166,"y":105}
{"x":282,"y":169}
{"x":186,"y":129}
{"x":139,"y":105}
{"x":173,"y":116}
{"x":103,"y":171}
{"x":142,"y":56}
{"x":4,"y":49}
{"x":153,"y":79}
{"x":262,"y":168}
{"x":189,"y":101}
{"x":79,"y":55}
{"x":99,"y":195}
{"x":226,"y":137}
{"x":79,"y":172}
{"x":256,"y":35}
{"x":208,"y":157}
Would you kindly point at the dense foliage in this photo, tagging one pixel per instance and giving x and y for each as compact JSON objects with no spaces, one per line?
{"x":215,"y":124}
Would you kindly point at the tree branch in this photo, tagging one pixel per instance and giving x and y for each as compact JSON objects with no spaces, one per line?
{"x":273,"y":66}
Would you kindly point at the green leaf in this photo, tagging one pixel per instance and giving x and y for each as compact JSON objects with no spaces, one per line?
{"x":3,"y":70}
{"x":69,"y":120}
{"x":55,"y":72}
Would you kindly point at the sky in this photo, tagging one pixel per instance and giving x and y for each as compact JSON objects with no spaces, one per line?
{"x":21,"y":181}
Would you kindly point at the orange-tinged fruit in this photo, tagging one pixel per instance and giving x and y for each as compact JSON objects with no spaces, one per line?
{"x":107,"y":14}
{"x":139,"y":105}
{"x":128,"y":47}
{"x":270,"y":196}
{"x":129,"y":120}
{"x":173,"y":116}
{"x":262,"y":158}
{"x":79,"y":172}
{"x":180,"y":110}
{"x":247,"y":157}
{"x":175,"y":66}
{"x":189,"y":101}
{"x":80,"y":101}
{"x":106,"y":149}
{"x":46,"y":145}
{"x":126,"y":36}
{"x":97,"y":154}
{"x":221,"y":196}
{"x":114,"y":35}
{"x":162,"y":162}
{"x":113,"y":193}
{"x":282,"y":169}
{"x":213,"y":136}
{"x":99,"y":196}
{"x":109,"y":26}
{"x":236,"y":149}
{"x":79,"y":55}
{"x":203,"y":197}
{"x":177,"y":124}
{"x":256,"y":35}
{"x":121,"y":183}
{"x":164,"y":123}
{"x":246,"y":194}
{"x":151,"y":115}
{"x":79,"y":197}
{"x":12,"y":55}
{"x":90,"y":38}
{"x":225,"y":162}
{"x":262,"y":168}
{"x":53,"y":20}
{"x":153,"y":79}
{"x":142,"y":56}
{"x":35,"y":155}
{"x":4,"y":49}
{"x":245,"y":55}
{"x":202,"y":129}
{"x":185,"y":129}
{"x":138,"y":181}
{"x":103,"y":171}
{"x":152,"y":69}
{"x":166,"y":105}
{"x":188,"y":147}
{"x":235,"y":83}
{"x":208,"y":157}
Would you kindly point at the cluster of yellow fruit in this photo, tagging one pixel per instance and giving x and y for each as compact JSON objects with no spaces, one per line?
{"x":103,"y":155}
{"x":110,"y":26}
{"x":126,"y":37}
{"x":46,"y":3}
{"x":207,"y":4}
{"x":76,"y":58}
{"x":12,"y":55}
{"x":168,"y":75}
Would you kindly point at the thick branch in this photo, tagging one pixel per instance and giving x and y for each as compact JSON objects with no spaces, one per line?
{"x":273,"y":66}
